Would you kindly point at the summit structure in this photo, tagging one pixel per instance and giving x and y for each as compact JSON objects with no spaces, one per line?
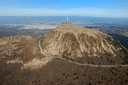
{"x":67,"y":18}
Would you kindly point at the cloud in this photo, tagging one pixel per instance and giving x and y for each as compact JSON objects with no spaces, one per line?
{"x":90,"y":11}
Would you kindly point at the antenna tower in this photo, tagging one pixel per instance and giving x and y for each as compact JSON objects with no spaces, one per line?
{"x":67,"y":18}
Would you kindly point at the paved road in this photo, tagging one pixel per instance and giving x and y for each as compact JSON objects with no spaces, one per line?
{"x":39,"y":44}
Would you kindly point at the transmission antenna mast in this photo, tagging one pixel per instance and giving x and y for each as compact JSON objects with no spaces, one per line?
{"x":67,"y":18}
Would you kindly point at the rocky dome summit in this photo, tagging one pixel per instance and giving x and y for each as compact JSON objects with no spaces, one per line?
{"x":83,"y":45}
{"x":68,"y":26}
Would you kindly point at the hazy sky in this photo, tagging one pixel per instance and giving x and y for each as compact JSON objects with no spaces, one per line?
{"x":95,"y":8}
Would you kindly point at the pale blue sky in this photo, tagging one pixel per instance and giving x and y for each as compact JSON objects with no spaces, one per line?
{"x":94,"y":8}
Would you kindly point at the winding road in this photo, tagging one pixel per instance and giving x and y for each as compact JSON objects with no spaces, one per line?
{"x":41,"y":50}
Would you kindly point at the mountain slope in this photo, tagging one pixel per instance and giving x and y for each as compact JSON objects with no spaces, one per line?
{"x":28,"y":61}
{"x":83,"y":45}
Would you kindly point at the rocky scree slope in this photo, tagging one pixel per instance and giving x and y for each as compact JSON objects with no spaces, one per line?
{"x":83,"y":45}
